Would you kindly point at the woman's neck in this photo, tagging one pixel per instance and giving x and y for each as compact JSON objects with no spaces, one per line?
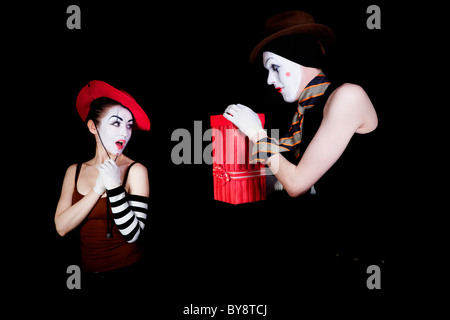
{"x":101,"y":156}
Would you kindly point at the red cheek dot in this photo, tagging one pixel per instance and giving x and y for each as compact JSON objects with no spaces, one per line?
{"x":288,"y":74}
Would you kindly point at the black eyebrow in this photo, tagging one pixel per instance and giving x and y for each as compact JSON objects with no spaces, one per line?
{"x":116,"y":117}
{"x":267,"y":60}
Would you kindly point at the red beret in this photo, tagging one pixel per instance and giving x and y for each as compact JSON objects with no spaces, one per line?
{"x":97,"y":89}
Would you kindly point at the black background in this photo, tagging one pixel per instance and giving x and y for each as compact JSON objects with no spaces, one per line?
{"x":184,"y":62}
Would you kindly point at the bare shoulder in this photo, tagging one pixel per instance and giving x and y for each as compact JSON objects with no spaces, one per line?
{"x":349,"y":88}
{"x":352,"y":102}
{"x":68,"y":183}
{"x":138,"y":169}
{"x":138,"y":182}
{"x":350,"y":93}
{"x":70,"y":172}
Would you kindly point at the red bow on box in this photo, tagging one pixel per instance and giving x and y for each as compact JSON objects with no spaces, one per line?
{"x":221,"y":173}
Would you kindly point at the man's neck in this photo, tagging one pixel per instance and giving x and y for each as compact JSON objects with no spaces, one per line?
{"x":307,"y":75}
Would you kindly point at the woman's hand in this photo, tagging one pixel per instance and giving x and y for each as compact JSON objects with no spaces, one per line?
{"x":109,"y":172}
{"x":99,"y":187}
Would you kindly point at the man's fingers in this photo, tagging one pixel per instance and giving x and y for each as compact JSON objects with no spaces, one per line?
{"x":232,"y":109}
{"x":228,"y":116}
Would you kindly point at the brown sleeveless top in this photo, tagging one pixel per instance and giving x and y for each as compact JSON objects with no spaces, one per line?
{"x":99,"y":253}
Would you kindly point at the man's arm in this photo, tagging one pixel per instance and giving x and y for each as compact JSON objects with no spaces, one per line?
{"x":347,"y":111}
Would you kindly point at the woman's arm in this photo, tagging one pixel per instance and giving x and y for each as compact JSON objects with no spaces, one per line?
{"x":348,"y":110}
{"x":129,"y":210}
{"x":68,"y":216}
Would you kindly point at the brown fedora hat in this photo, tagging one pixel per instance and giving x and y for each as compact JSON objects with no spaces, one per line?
{"x":293,"y":22}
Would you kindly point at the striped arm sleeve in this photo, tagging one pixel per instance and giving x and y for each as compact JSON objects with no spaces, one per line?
{"x":265,"y":148}
{"x":129,"y":212}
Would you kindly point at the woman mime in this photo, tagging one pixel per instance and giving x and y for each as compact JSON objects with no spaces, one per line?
{"x":107,"y":196}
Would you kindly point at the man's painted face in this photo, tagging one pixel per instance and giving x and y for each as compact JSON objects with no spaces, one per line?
{"x":284,"y":74}
{"x":115,"y":129}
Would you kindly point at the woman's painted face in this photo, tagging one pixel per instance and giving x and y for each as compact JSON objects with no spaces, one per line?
{"x":284,"y":74}
{"x":115,"y":129}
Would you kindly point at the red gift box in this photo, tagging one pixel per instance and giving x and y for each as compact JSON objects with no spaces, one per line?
{"x":235,"y":179}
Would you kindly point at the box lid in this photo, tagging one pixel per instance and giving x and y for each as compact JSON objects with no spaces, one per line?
{"x":220,"y":120}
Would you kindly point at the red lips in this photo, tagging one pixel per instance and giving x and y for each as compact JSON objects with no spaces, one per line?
{"x":120,"y":144}
{"x":278,"y":89}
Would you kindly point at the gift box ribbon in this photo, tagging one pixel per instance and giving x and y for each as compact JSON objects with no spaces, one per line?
{"x":226,"y":176}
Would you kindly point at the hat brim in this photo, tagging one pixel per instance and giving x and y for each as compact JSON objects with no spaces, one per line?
{"x":322,"y":33}
{"x":97,"y":89}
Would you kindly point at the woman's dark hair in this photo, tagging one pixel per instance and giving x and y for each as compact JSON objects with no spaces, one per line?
{"x":99,"y":105}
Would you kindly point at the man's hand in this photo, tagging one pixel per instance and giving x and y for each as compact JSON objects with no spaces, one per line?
{"x":245,"y":119}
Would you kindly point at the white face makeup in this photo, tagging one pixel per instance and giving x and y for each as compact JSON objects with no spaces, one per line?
{"x":115,"y":129}
{"x":284,"y":74}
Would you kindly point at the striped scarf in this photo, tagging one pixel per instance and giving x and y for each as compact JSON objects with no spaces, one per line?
{"x":267,"y":147}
